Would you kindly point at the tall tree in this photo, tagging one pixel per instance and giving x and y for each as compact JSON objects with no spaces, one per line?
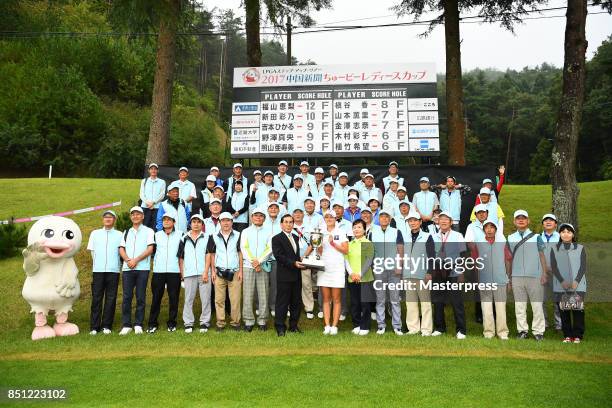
{"x":253,"y":17}
{"x":505,"y":11}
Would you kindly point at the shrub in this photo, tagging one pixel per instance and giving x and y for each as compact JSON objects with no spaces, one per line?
{"x":13,"y":238}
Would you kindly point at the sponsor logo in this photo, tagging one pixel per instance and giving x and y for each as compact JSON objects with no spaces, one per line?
{"x":245,"y":107}
{"x":251,"y":76}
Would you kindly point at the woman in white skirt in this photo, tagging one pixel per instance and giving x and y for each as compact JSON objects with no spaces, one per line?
{"x":332,"y":279}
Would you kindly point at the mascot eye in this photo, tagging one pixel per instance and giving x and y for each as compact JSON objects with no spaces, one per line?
{"x":68,"y":234}
{"x":48,"y":233}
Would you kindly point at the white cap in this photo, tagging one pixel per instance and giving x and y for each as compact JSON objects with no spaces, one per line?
{"x":319,"y":170}
{"x":445,"y":214}
{"x":309,"y":198}
{"x":136,"y":208}
{"x":111,"y":212}
{"x":401,"y":188}
{"x":225,"y":216}
{"x":335,"y":166}
{"x":366,"y":209}
{"x":271,"y":203}
{"x":393,"y":163}
{"x":268,"y":172}
{"x":331,"y":213}
{"x":197,"y":217}
{"x":364,"y":170}
{"x":210,"y":177}
{"x":393,"y":180}
{"x":257,"y":172}
{"x":298,"y":177}
{"x":304,"y":163}
{"x":282,"y":163}
{"x":237,"y":165}
{"x":154,"y":165}
{"x":424,"y":179}
{"x":353,"y":197}
{"x":214,"y":200}
{"x":324,"y":198}
{"x":567,"y":225}
{"x":220,"y":187}
{"x":328,"y":183}
{"x":487,"y":180}
{"x":214,"y":168}
{"x":373,"y":198}
{"x":519,"y":213}
{"x":384,"y":212}
{"x":404,"y":201}
{"x":485,"y":190}
{"x":259,"y":211}
{"x":369,"y":175}
{"x":549,"y":215}
{"x":184,"y":168}
{"x":338,"y":203}
{"x":273,"y":189}
{"x":297,"y":209}
{"x":173,"y":185}
{"x":480,"y":207}
{"x":169,"y":215}
{"x":413,"y":214}
{"x":343,"y":174}
{"x":489,"y":221}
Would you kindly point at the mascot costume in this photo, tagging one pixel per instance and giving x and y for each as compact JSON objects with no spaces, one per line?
{"x":51,"y":274}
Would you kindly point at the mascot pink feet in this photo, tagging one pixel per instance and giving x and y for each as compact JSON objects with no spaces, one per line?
{"x":51,"y":283}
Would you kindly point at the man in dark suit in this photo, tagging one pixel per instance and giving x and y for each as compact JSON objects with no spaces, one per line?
{"x":286,"y":250}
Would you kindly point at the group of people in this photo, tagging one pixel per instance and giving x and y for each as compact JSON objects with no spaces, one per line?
{"x":241,"y":245}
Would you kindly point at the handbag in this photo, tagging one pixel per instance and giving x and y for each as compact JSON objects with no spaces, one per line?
{"x":227,"y":274}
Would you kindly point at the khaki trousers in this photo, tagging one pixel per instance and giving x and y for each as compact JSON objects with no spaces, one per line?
{"x":494,"y":323}
{"x":235,"y":291}
{"x":528,"y":289}
{"x":415,"y":324}
{"x":308,"y":282}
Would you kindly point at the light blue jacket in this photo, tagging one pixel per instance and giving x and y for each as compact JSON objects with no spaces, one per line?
{"x":166,"y":252}
{"x":104,"y":246}
{"x":135,"y":243}
{"x":152,"y":190}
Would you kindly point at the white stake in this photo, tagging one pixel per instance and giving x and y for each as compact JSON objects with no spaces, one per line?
{"x":50,"y":171}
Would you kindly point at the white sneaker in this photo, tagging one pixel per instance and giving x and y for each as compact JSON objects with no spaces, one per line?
{"x":364,"y":332}
{"x":460,"y":336}
{"x":356,"y":330}
{"x":152,"y":330}
{"x":125,"y":331}
{"x":342,"y":317}
{"x":380,"y":331}
{"x":309,"y":315}
{"x":436,"y":333}
{"x":373,"y":315}
{"x":398,"y":332}
{"x":203,"y":329}
{"x":171,"y":329}
{"x":503,"y":337}
{"x":188,"y":330}
{"x":137,"y":329}
{"x":107,"y":331}
{"x":273,"y":313}
{"x":320,"y":315}
{"x":93,"y":332}
{"x":333,"y":330}
{"x":327,"y":330}
{"x":412,"y":333}
{"x":425,"y":334}
{"x":183,"y":284}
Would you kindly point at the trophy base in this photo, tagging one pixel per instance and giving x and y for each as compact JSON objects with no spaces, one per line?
{"x":313,"y":263}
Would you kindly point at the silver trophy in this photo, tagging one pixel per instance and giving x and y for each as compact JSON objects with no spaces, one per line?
{"x":313,"y":261}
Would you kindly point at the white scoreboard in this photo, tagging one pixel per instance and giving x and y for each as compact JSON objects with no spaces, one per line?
{"x":339,"y":110}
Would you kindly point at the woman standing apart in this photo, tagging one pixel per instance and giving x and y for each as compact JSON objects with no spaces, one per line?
{"x":331,"y":279}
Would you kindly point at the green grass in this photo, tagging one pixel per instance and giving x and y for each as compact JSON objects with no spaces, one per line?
{"x":250,"y":369}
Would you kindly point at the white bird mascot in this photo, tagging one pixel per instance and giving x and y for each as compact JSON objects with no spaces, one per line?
{"x":51,"y":274}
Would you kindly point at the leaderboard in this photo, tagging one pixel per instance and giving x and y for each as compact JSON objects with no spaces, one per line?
{"x":323,"y":111}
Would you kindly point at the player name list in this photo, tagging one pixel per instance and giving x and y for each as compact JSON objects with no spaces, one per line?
{"x":341,"y":122}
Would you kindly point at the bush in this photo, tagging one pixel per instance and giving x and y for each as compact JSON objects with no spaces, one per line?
{"x":13,"y":238}
{"x":123,"y":222}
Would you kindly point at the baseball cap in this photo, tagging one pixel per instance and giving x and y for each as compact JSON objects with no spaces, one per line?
{"x":169,"y":215}
{"x":384,"y":212}
{"x":184,"y":169}
{"x":210,"y":177}
{"x":549,"y":215}
{"x":219,"y":187}
{"x":309,"y":198}
{"x":335,"y":166}
{"x":109,"y":212}
{"x":353,"y":197}
{"x":271,"y":203}
{"x":282,"y":163}
{"x":489,"y":221}
{"x":373,"y":199}
{"x":393,"y":163}
{"x":154,"y":165}
{"x":401,"y":188}
{"x":268,"y":172}
{"x":214,"y":200}
{"x":257,"y":172}
{"x":366,"y":171}
{"x":343,"y":174}
{"x":214,"y":168}
{"x":259,"y":211}
{"x":366,"y":209}
{"x":298,"y":177}
{"x":480,"y":207}
{"x":519,"y":213}
{"x":485,"y":190}
{"x":172,"y":186}
{"x":487,"y":180}
{"x":413,"y":214}
{"x":424,"y":180}
{"x":319,"y":170}
{"x":273,"y":189}
{"x":337,"y":203}
{"x":237,"y":165}
{"x":329,"y":213}
{"x":225,"y":216}
{"x":404,"y":202}
{"x":445,"y":214}
{"x":369,"y":175}
{"x":304,"y":163}
{"x":197,"y":216}
{"x":136,"y":208}
{"x":328,"y":183}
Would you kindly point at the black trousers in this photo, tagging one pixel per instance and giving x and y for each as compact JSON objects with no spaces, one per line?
{"x":288,"y":297}
{"x":159,"y":281}
{"x":360,"y":311}
{"x":103,"y":300}
{"x":441,"y":298}
{"x":150,"y":217}
{"x":572,"y":323}
{"x":134,"y":280}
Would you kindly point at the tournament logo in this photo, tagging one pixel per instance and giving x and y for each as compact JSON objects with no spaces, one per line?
{"x":251,"y":76}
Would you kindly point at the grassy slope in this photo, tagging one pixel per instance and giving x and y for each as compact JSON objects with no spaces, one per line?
{"x":316,"y":368}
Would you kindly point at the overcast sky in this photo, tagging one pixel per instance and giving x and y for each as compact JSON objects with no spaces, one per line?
{"x":483,"y":45}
